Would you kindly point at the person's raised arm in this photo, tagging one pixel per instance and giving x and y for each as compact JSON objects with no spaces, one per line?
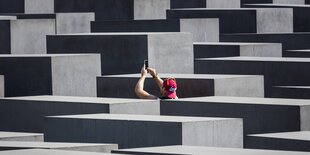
{"x":139,"y":89}
{"x":155,"y":76}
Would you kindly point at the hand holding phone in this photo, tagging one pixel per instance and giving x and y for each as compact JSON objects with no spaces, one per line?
{"x":146,"y":63}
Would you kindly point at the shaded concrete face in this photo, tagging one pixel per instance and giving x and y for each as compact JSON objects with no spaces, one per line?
{"x":73,"y":22}
{"x":5,"y":35}
{"x":39,"y":6}
{"x":203,"y":30}
{"x":274,"y":20}
{"x":28,"y":36}
{"x":71,"y":77}
{"x":150,"y":9}
{"x":223,"y":3}
{"x":1,"y":86}
{"x":290,"y":92}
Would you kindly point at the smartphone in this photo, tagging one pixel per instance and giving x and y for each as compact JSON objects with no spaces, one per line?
{"x":146,"y":63}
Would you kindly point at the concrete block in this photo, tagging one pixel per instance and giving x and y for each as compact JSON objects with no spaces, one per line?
{"x":189,"y":85}
{"x":1,"y":86}
{"x":49,"y":152}
{"x":20,"y":136}
{"x":305,"y":53}
{"x":242,"y":20}
{"x":274,"y":1}
{"x":14,"y":6}
{"x":276,"y":71}
{"x":194,"y":150}
{"x":298,"y":92}
{"x":58,"y":74}
{"x":123,"y":53}
{"x":290,"y":141}
{"x":27,"y":33}
{"x":300,"y":40}
{"x":260,"y":115}
{"x":85,"y":147}
{"x":205,"y":4}
{"x":145,"y":130}
{"x":226,"y":49}
{"x":301,"y":14}
{"x":38,"y":6}
{"x":29,"y":111}
{"x":201,"y":29}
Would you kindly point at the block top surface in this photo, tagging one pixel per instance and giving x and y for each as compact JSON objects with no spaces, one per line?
{"x":304,"y":50}
{"x":49,"y":152}
{"x":184,"y":76}
{"x":8,"y":17}
{"x":121,"y":34}
{"x":41,"y":55}
{"x":149,"y":118}
{"x":49,"y":98}
{"x":266,"y":59}
{"x":17,"y":134}
{"x":247,"y":100}
{"x":200,"y":150}
{"x":232,"y":43}
{"x":295,"y":87}
{"x":30,"y":16}
{"x":223,"y":9}
{"x":23,"y":144}
{"x":279,"y":5}
{"x":299,"y":135}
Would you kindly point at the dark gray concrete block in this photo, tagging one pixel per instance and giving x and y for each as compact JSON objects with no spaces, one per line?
{"x":305,"y":53}
{"x":290,"y":41}
{"x":194,"y":150}
{"x":276,"y":71}
{"x":130,"y":131}
{"x":20,"y":136}
{"x":29,"y":111}
{"x":85,"y":147}
{"x":189,"y":85}
{"x":201,"y":29}
{"x":291,"y":141}
{"x":301,"y":14}
{"x":1,"y":86}
{"x":226,"y":49}
{"x":298,"y":92}
{"x":123,"y":53}
{"x":49,"y":152}
{"x":57,"y":74}
{"x":243,"y":20}
{"x":260,"y":115}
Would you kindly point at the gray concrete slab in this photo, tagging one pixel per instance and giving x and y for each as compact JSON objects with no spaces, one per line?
{"x":260,"y":115}
{"x":49,"y":152}
{"x":7,"y":17}
{"x":274,"y":1}
{"x":229,"y":49}
{"x":1,"y":86}
{"x":198,"y":150}
{"x":189,"y":85}
{"x":201,"y":29}
{"x":86,"y":147}
{"x":61,"y":74}
{"x":26,"y":119}
{"x":144,"y":130}
{"x":298,"y":92}
{"x":21,"y":136}
{"x":205,"y":4}
{"x":300,"y":14}
{"x":242,"y":20}
{"x":276,"y":71}
{"x":123,"y":53}
{"x":292,"y":141}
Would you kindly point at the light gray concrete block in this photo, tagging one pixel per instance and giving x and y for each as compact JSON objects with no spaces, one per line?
{"x":20,"y":136}
{"x":145,"y":130}
{"x":28,"y":36}
{"x":204,"y":30}
{"x":49,"y":152}
{"x":73,"y":22}
{"x":1,"y":86}
{"x":7,"y":17}
{"x":223,"y":3}
{"x":289,"y":1}
{"x":198,"y":150}
{"x":39,"y":6}
{"x":86,"y":147}
{"x":150,"y":9}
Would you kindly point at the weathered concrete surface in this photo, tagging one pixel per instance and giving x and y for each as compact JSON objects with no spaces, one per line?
{"x":260,"y":115}
{"x":38,"y":6}
{"x":301,"y":92}
{"x":123,"y":53}
{"x":26,"y":119}
{"x":274,"y":1}
{"x":73,"y":22}
{"x":205,"y":4}
{"x":1,"y":86}
{"x":242,"y":20}
{"x":49,"y":152}
{"x":20,"y":136}
{"x":60,"y":74}
{"x":145,"y":130}
{"x":189,"y":85}
{"x":227,"y":49}
{"x":198,"y":150}
{"x":276,"y":71}
{"x":291,"y":141}
{"x":85,"y":147}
